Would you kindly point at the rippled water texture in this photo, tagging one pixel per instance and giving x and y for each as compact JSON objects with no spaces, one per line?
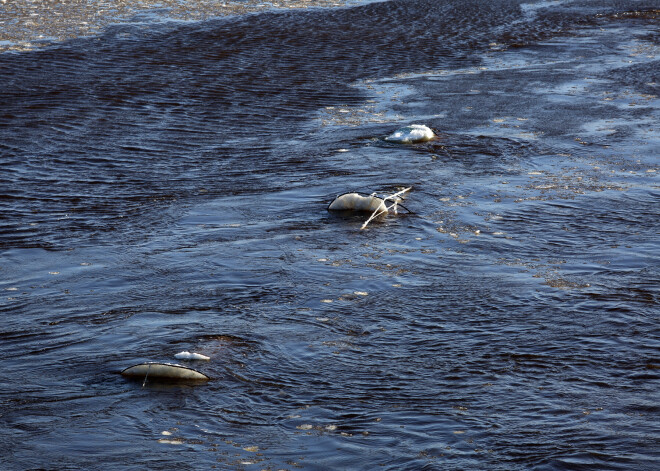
{"x":164,"y":188}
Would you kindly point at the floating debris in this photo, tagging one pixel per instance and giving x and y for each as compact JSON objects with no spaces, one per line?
{"x":372,"y":203}
{"x":396,"y":197}
{"x":358,"y":203}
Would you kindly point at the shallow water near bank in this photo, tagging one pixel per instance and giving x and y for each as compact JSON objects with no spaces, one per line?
{"x":165,"y":188}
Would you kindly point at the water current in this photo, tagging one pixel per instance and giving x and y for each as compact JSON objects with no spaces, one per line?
{"x":163,"y":187}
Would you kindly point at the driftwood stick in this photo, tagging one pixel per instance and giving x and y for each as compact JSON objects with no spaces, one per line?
{"x":380,"y":211}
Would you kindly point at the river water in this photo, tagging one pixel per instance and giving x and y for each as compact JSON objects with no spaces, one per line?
{"x":164,"y":186}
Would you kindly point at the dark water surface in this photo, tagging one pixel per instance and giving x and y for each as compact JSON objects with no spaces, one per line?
{"x":164,"y":188}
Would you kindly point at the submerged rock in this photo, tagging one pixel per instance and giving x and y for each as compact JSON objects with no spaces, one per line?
{"x":164,"y":372}
{"x":355,"y":202}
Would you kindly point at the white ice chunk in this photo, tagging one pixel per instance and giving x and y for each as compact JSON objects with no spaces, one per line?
{"x":411,"y":134}
{"x":191,"y":356}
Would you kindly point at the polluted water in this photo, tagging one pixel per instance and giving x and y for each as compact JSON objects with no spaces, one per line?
{"x":167,"y":168}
